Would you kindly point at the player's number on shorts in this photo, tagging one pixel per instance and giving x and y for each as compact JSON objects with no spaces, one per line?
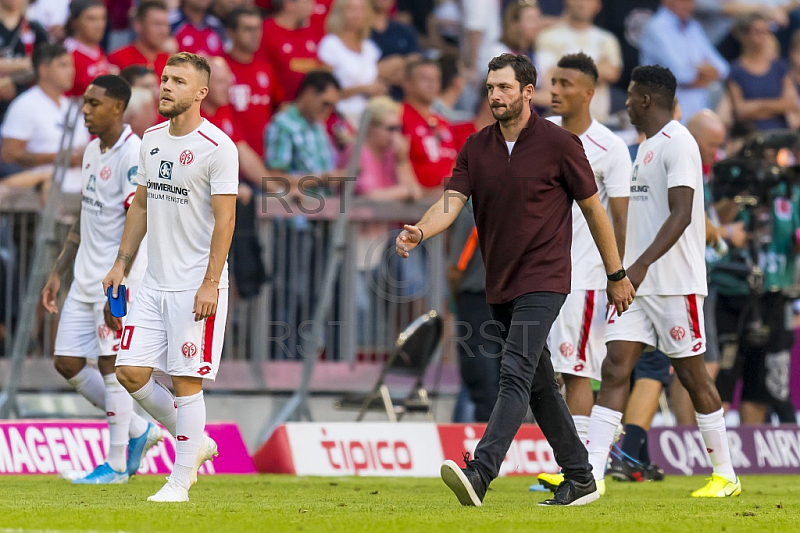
{"x":127,"y":335}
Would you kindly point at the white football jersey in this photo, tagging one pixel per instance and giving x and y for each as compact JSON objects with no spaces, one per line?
{"x":670,"y":158}
{"x":108,"y":185}
{"x":181,"y":174}
{"x":611,"y":163}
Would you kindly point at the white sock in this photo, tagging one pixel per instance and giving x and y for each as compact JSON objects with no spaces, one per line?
{"x":138,"y":425}
{"x":712,"y":427}
{"x":191,"y":427}
{"x":89,"y":383}
{"x":582,"y":425}
{"x":119,"y":408}
{"x":159,"y":403}
{"x":602,"y":427}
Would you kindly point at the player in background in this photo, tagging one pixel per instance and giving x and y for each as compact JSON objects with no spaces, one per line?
{"x":577,"y":338}
{"x":666,"y":253}
{"x":188,"y":179}
{"x":109,"y":182}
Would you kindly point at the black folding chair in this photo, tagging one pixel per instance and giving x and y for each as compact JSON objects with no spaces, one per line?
{"x":414,"y":350}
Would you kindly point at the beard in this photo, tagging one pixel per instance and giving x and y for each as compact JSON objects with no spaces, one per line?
{"x":178,"y":108}
{"x":511,"y":112}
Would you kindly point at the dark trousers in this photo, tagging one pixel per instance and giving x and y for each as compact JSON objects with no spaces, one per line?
{"x":479,"y":354}
{"x":527,"y":378}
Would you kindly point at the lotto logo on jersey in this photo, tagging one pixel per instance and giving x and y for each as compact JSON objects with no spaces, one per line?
{"x":186,"y":157}
{"x":189,"y":350}
{"x":165,"y":170}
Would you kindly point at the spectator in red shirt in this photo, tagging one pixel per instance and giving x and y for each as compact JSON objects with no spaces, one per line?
{"x":152,"y":33}
{"x":216,"y":109}
{"x":318,"y":14}
{"x":195,"y":30}
{"x":255,"y":92}
{"x":289,"y":43}
{"x":433,"y":147}
{"x":86,"y":27}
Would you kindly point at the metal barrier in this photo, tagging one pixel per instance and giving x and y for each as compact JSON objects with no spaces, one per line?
{"x":377,"y":294}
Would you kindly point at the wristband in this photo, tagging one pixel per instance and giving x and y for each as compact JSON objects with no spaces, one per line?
{"x":212,"y":280}
{"x":421,"y":235}
{"x":619,"y":275}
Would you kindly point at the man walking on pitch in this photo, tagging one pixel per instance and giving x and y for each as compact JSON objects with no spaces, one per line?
{"x":188,"y":178}
{"x":108,"y":185}
{"x":577,"y":340}
{"x":523,"y":174}
{"x":666,"y":253}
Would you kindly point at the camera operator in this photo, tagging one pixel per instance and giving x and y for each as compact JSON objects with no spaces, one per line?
{"x":755,"y":281}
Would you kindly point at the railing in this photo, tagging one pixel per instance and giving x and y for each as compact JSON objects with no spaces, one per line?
{"x":377,"y":293}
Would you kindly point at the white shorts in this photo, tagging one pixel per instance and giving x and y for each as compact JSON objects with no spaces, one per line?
{"x":577,"y":340}
{"x":673,"y":324}
{"x":82,"y":331}
{"x":161,"y":333}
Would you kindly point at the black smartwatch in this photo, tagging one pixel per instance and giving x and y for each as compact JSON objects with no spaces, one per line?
{"x":619,"y":275}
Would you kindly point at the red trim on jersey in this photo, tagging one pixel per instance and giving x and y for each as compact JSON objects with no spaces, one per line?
{"x":212,"y":141}
{"x":665,"y":135}
{"x":156,"y":127}
{"x":597,"y":143}
{"x":694,"y":318}
{"x":208,"y":336}
{"x":588,"y":312}
{"x":128,"y":137}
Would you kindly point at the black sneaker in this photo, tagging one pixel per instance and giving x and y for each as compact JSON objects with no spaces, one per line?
{"x":627,"y":470}
{"x":653,"y":473}
{"x":571,"y":492}
{"x":466,"y":483}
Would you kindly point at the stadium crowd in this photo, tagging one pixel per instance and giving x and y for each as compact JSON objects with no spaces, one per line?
{"x":292,"y":78}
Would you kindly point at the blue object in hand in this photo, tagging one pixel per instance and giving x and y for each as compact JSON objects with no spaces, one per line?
{"x":118,"y":305}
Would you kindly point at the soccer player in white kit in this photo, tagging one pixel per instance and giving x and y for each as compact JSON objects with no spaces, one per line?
{"x":108,"y":184}
{"x":186,"y":201}
{"x":577,"y":340}
{"x":665,"y":251}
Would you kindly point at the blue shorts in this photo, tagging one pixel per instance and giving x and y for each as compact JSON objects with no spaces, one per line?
{"x":653,"y":365}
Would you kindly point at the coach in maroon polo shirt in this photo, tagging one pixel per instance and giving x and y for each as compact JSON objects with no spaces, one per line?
{"x":523,"y":173}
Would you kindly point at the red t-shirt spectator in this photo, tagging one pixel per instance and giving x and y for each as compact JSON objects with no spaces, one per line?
{"x":89,"y":63}
{"x":206,"y":40}
{"x":433,"y":148}
{"x":318,"y":17}
{"x":293,"y":53}
{"x":130,"y":55}
{"x":254,"y":94}
{"x":223,"y":119}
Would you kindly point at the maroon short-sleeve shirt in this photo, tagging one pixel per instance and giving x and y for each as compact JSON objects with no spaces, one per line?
{"x":522,"y":205}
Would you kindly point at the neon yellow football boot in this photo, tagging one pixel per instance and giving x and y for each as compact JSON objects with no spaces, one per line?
{"x":719,"y":487}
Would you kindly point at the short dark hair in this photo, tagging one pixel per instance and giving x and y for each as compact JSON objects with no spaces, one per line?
{"x":131,"y":73}
{"x":411,"y":66}
{"x":657,"y":81}
{"x":524,"y":71}
{"x":232,"y":20}
{"x":318,"y":81}
{"x":448,"y":64}
{"x":45,"y":53}
{"x":116,"y":87}
{"x":147,"y":6}
{"x":199,"y":62}
{"x":580,"y":62}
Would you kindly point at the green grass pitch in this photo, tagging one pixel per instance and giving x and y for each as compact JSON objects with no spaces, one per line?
{"x":232,"y":504}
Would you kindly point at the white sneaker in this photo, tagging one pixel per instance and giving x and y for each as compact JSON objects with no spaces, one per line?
{"x":208,"y":450}
{"x":171,"y":492}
